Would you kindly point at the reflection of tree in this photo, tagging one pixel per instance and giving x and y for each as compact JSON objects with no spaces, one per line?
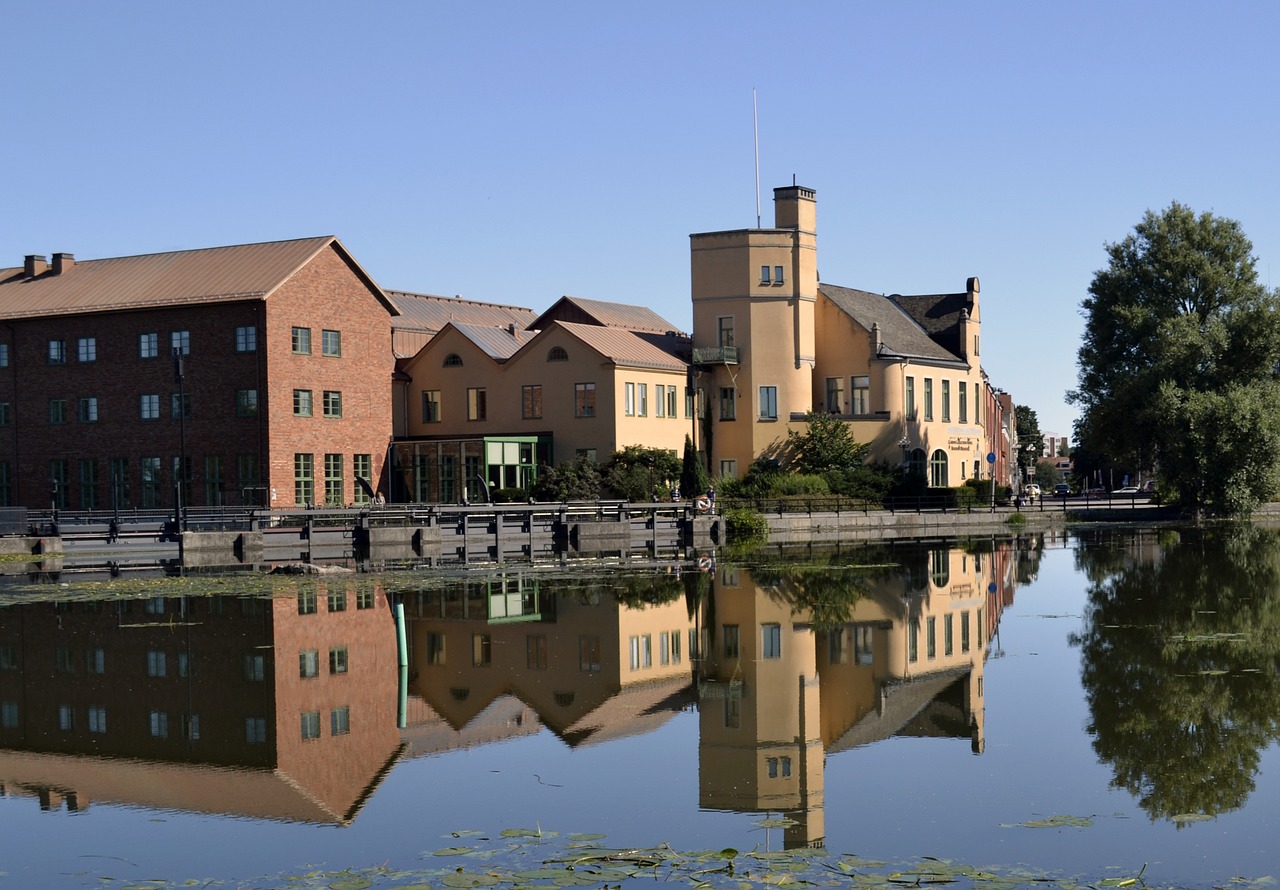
{"x":1178,"y":654}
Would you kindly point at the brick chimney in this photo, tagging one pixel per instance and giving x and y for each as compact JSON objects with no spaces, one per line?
{"x":34,"y":264}
{"x":62,"y":262}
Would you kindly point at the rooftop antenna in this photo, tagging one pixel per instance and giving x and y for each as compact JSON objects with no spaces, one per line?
{"x":755,"y":117}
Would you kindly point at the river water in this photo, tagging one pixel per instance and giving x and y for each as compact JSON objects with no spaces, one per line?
{"x":1085,"y":706}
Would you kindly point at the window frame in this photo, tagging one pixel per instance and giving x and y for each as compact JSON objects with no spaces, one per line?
{"x":330,"y":343}
{"x":300,"y":340}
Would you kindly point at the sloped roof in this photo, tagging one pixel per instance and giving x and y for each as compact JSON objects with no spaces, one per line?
{"x":179,"y":278}
{"x":626,"y":348}
{"x":431,"y":313}
{"x":901,"y":703}
{"x":901,"y":335}
{"x":598,"y":312}
{"x":939,"y":314}
{"x":498,"y":343}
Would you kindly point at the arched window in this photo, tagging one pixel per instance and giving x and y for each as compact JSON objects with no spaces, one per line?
{"x":938,"y":469}
{"x":453,"y":360}
{"x":915,"y":464}
{"x":557,"y":354}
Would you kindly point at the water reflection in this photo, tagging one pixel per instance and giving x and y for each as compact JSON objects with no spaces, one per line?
{"x":292,"y":706}
{"x":1179,"y":663}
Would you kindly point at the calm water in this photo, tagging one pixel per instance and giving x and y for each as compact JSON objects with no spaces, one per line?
{"x":928,"y":699}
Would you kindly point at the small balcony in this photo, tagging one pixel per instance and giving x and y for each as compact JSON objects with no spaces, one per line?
{"x":715,"y":355}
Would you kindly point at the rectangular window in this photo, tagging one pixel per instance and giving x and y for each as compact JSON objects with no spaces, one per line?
{"x":255,"y":730}
{"x":768,"y":403}
{"x":88,"y":410}
{"x":588,"y":653}
{"x":629,"y":399}
{"x":57,"y":352}
{"x":913,"y":641}
{"x":771,"y":641}
{"x":255,"y":667}
{"x":777,"y":275}
{"x":8,"y":657}
{"x":946,"y":401}
{"x":964,"y":402}
{"x":362,"y":467}
{"x":477,"y":403}
{"x":87,"y":349}
{"x":97,"y":719}
{"x":732,"y":641}
{"x":307,"y":602}
{"x":332,"y":403}
{"x":246,"y":403}
{"x":302,"y":403}
{"x":729,"y":469}
{"x":633,"y":647}
{"x":646,"y":651}
{"x":835,"y":395}
{"x":157,"y":664}
{"x":931,"y":637}
{"x":928,"y":398}
{"x":334,"y":483}
{"x":9,"y":715}
{"x":148,"y":345}
{"x":59,"y":476}
{"x":448,"y":478}
{"x":308,"y":664}
{"x":724,"y":331}
{"x":57,"y":410}
{"x":336,"y":601}
{"x":66,"y":718}
{"x":977,"y":402}
{"x":304,"y":490}
{"x":180,"y":342}
{"x":149,"y":406}
{"x":535,"y":652}
{"x":664,"y":648}
{"x":481,"y":650}
{"x":642,"y":403}
{"x":584,"y":400}
{"x":671,"y":401}
{"x":95,"y":660}
{"x":660,"y":400}
{"x":861,"y":395}
{"x":63,"y":663}
{"x":435,"y":648}
{"x":246,"y":339}
{"x":764,"y":274}
{"x":728,"y":403}
{"x":340,"y":720}
{"x":431,"y":406}
{"x":964,"y":631}
{"x":338,"y":660}
{"x":88,"y":483}
{"x":331,"y":343}
{"x":531,"y":401}
{"x":301,"y":341}
{"x":909,"y":398}
{"x":180,"y":404}
{"x":4,"y":355}
{"x":310,"y":725}
{"x":149,"y":475}
{"x":689,"y":399}
{"x":948,"y":640}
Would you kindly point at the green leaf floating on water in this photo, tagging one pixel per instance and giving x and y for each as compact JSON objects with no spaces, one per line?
{"x":1059,"y":822}
{"x":452,"y":851}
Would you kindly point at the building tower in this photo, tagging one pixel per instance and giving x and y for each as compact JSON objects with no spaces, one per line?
{"x":753,"y":293}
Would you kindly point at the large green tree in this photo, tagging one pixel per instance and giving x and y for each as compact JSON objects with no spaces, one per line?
{"x":1177,"y":369}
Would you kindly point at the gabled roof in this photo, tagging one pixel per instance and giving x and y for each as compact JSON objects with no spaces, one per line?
{"x":939,"y":314}
{"x":498,"y":343}
{"x":626,"y":348}
{"x":901,"y":334}
{"x":431,"y":313}
{"x":598,"y":312}
{"x":160,"y":280}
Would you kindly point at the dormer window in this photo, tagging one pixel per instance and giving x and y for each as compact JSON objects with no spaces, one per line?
{"x":453,"y":360}
{"x":557,"y":354}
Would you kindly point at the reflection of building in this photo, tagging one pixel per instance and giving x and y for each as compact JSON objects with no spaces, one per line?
{"x":778,"y":694}
{"x":590,"y":667}
{"x":280,"y":708}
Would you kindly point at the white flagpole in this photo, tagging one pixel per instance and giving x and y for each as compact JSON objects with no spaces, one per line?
{"x":755,"y":116}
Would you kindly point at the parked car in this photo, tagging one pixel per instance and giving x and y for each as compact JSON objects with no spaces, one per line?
{"x":1095,"y":490}
{"x":1031,"y":490}
{"x":1061,"y":490}
{"x":1129,"y":491}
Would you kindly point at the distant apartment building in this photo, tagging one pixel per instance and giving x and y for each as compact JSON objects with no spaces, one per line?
{"x":257,"y":374}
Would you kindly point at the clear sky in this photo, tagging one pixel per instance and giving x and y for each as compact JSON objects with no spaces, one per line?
{"x":515,"y":152}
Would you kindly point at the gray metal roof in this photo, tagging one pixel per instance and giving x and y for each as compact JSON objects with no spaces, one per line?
{"x":901,"y":335}
{"x":579,"y":310}
{"x":431,"y":313}
{"x":498,"y":343}
{"x":184,"y":277}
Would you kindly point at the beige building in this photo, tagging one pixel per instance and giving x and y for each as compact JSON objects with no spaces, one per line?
{"x":772,"y":343}
{"x":486,"y":405}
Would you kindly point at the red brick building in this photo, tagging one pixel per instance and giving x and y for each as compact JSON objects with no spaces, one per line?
{"x":266,"y":366}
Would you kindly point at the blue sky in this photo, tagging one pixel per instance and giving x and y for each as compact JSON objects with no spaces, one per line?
{"x":516,"y":152}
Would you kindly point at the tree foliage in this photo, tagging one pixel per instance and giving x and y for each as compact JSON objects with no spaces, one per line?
{"x":575,"y":480}
{"x":694,"y":479}
{"x":1178,"y":362}
{"x":826,"y":444}
{"x":638,"y":473}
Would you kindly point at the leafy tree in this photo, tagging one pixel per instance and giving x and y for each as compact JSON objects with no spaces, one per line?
{"x":826,"y":444}
{"x":638,"y":473}
{"x":1178,"y":363}
{"x":576,"y":480}
{"x":693,"y":474}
